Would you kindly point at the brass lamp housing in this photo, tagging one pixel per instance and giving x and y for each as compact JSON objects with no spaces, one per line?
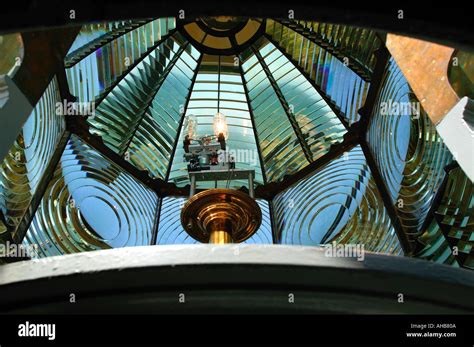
{"x":221,"y":216}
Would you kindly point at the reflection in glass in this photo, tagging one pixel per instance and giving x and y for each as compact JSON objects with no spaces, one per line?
{"x":91,"y":204}
{"x":407,"y":149}
{"x":27,"y":160}
{"x":94,"y":73}
{"x":338,"y":203}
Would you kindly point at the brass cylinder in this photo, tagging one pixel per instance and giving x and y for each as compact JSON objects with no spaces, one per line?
{"x":221,"y":216}
{"x":220,"y":232}
{"x":220,"y":237}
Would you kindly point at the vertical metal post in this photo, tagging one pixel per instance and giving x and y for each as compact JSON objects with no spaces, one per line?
{"x":192,"y":190}
{"x":251,"y":189}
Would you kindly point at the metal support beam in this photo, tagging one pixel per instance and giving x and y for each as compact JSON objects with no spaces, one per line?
{"x":353,"y":64}
{"x":383,"y":57}
{"x":460,"y":257}
{"x":163,"y":77}
{"x":286,"y":107}
{"x":181,"y":121}
{"x":252,"y":119}
{"x":325,"y":97}
{"x":366,"y":112}
{"x":104,"y":94}
{"x":79,"y":126}
{"x":269,"y":190}
{"x":273,"y":224}
{"x":405,"y":243}
{"x":192,"y":189}
{"x":51,"y":46}
{"x":266,"y":191}
{"x":4,"y":234}
{"x":154,"y":236}
{"x":22,"y":228}
{"x":251,"y":187}
{"x":438,"y":197}
{"x":82,"y":52}
{"x":63,"y":86}
{"x":162,"y":188}
{"x":44,"y":54}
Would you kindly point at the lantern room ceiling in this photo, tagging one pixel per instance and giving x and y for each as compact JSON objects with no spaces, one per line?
{"x":223,"y":34}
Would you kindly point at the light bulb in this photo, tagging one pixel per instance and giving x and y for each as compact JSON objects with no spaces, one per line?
{"x":220,"y":125}
{"x":191,"y":126}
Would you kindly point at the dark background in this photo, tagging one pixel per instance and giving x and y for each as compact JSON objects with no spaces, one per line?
{"x":448,"y":22}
